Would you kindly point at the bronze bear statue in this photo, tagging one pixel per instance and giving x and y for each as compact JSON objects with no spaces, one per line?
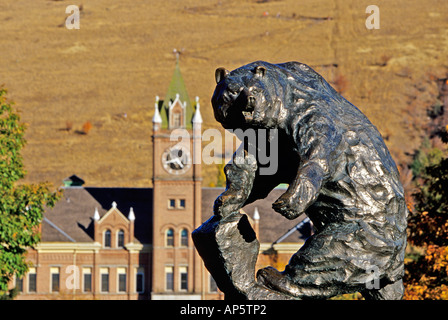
{"x":340,"y":174}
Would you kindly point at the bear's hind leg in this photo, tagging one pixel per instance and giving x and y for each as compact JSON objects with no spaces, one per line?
{"x":325,"y":266}
{"x":281,"y":282}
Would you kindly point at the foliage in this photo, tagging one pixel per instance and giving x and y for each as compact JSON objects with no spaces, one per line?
{"x":428,"y":225}
{"x":425,"y":157}
{"x":21,"y":205}
{"x":427,"y":275}
{"x":426,"y":278}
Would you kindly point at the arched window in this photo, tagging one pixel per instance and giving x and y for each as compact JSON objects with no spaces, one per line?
{"x":107,"y":238}
{"x":184,"y":238}
{"x":169,"y":238}
{"x":177,"y":119}
{"x":120,"y":238}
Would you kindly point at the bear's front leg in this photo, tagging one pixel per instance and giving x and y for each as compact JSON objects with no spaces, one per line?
{"x":240,"y":175}
{"x":302,"y":191}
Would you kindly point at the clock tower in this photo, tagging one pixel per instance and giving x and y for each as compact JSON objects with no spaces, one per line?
{"x":177,"y":193}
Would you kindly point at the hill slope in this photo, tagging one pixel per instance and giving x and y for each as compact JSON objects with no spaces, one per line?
{"x":110,"y":70}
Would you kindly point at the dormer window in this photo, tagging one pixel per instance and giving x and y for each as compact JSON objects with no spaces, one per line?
{"x":120,"y":239}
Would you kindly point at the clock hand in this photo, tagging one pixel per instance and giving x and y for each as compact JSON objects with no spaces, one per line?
{"x":176,"y":160}
{"x":179,"y":162}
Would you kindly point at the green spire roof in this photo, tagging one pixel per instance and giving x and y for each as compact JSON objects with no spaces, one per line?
{"x":177,"y":86}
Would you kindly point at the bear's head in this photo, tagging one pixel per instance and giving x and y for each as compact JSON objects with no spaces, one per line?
{"x":265,"y":95}
{"x":246,"y":97}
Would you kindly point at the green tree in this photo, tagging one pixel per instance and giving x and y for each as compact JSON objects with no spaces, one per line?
{"x":21,"y":205}
{"x":425,"y":157}
{"x":427,"y":275}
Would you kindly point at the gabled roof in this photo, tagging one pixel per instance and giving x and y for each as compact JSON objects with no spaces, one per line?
{"x":114,"y":210}
{"x":72,"y":216}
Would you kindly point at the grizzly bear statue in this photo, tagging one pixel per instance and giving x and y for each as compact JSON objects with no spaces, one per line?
{"x":339,"y":173}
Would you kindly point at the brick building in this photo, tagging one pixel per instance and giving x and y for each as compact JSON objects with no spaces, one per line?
{"x":135,"y":243}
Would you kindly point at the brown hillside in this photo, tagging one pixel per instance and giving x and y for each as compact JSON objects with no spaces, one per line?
{"x":121,"y":58}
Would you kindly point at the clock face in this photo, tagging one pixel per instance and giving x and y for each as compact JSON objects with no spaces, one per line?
{"x":176,"y":160}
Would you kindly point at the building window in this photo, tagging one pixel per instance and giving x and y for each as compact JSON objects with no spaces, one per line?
{"x":140,"y":280}
{"x":107,"y":238}
{"x":120,"y":239}
{"x":169,"y":278}
{"x":182,"y":203}
{"x":213,"y":287}
{"x":121,"y":279}
{"x":87,"y":279}
{"x":184,"y":238}
{"x":104,"y":273}
{"x":169,"y":238}
{"x":54,"y":272}
{"x":177,"y":122}
{"x":183,"y":271}
{"x":19,"y":284}
{"x":32,"y":277}
{"x":171,"y":203}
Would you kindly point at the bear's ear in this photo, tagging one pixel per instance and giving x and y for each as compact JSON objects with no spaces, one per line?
{"x":220,"y":74}
{"x":260,"y":71}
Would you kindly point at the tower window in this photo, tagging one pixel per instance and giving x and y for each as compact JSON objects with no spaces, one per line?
{"x":171,"y":203}
{"x":184,"y":238}
{"x":177,"y":120}
{"x":182,"y":203}
{"x":169,"y":238}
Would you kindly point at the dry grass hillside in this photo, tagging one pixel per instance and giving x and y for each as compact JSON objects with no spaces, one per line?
{"x":121,"y":58}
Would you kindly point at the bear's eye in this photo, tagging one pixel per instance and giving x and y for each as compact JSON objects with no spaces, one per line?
{"x":234,"y":89}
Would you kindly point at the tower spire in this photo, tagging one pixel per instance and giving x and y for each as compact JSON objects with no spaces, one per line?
{"x":197,"y":118}
{"x":157,"y":118}
{"x":177,"y":88}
